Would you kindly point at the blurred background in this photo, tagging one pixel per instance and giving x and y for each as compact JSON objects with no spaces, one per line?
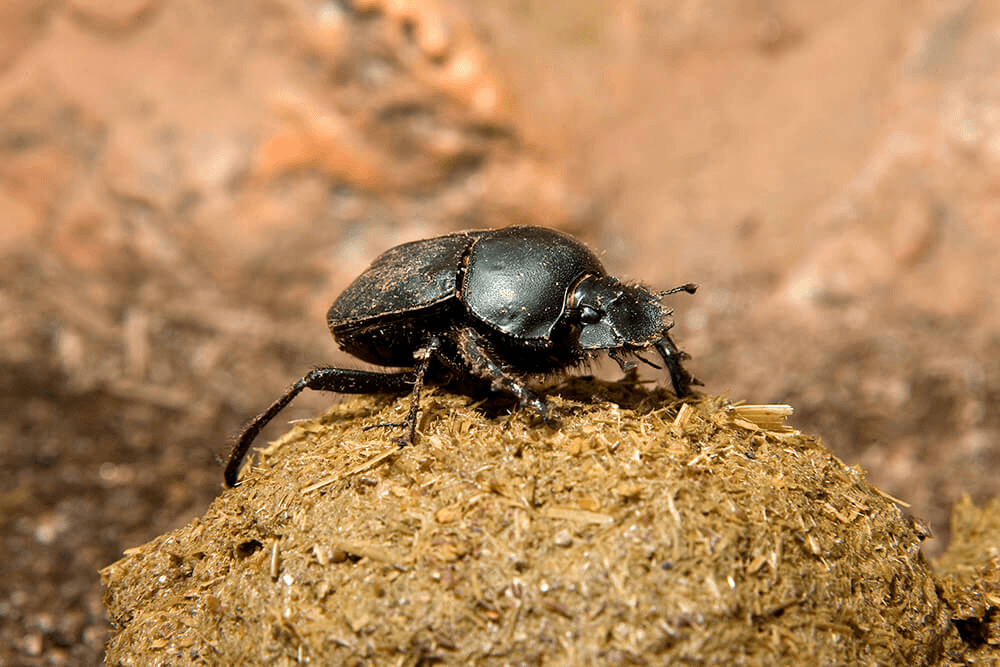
{"x":185,"y":186}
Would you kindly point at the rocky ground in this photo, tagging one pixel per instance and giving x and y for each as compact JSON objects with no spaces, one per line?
{"x":185,"y":186}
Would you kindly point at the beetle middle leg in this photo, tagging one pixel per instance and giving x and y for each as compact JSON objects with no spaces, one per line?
{"x":422,"y":357}
{"x":474,"y":352}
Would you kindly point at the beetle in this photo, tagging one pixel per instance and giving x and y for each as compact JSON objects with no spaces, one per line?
{"x":491,"y":306}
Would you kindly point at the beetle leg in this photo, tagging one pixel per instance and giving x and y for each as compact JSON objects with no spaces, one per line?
{"x":474,"y":353}
{"x":625,"y":364}
{"x":422,"y":357}
{"x":340,"y":380}
{"x":672,"y":357}
{"x":423,"y":361}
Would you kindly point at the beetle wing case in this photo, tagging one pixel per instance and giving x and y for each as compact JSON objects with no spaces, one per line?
{"x":402,"y":280}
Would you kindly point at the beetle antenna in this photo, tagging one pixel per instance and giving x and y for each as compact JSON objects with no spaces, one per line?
{"x":690,"y":288}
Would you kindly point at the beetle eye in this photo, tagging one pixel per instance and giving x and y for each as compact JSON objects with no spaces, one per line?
{"x":589,"y":315}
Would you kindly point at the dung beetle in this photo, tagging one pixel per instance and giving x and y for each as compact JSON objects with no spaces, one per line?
{"x":491,"y":306}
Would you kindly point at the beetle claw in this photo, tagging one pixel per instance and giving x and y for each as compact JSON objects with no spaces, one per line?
{"x":385,"y":425}
{"x":548,"y":414}
{"x":403,"y":440}
{"x":544,"y":410}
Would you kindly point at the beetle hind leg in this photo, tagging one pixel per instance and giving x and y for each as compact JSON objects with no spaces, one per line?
{"x":339,"y":380}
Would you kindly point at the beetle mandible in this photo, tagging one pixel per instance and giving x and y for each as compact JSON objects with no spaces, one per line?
{"x":492,"y":306}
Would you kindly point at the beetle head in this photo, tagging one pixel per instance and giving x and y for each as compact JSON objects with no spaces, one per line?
{"x":612,"y":315}
{"x":621,"y":318}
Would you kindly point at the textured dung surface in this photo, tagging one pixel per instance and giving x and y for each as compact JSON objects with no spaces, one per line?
{"x":968,"y":577}
{"x":637,"y":532}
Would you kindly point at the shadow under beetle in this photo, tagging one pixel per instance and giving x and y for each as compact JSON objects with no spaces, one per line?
{"x":492,"y":306}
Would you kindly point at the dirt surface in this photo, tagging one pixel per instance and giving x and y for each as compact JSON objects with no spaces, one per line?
{"x":185,"y":186}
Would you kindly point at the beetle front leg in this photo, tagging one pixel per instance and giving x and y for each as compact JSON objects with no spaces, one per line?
{"x":672,"y":357}
{"x":474,"y":352}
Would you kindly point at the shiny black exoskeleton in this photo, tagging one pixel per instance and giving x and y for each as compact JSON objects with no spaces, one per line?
{"x":494,"y":306}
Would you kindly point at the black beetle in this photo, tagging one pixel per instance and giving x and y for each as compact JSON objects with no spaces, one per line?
{"x":493,"y":306}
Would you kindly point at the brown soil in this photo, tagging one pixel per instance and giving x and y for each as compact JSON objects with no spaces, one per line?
{"x":185,"y":186}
